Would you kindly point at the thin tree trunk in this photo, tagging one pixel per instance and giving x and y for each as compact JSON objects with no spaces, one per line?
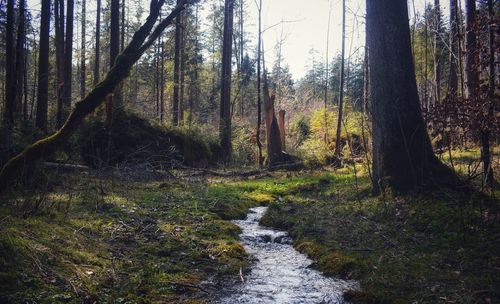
{"x":454,"y":50}
{"x":438,"y":48}
{"x":259,"y":93}
{"x":177,"y":65}
{"x":59,"y":29}
{"x":20,"y":58}
{"x":182,"y":70}
{"x":325,"y":105}
{"x":83,"y":67}
{"x":113,"y":100}
{"x":97,"y":44}
{"x":162,"y":82}
{"x":43,"y":68}
{"x":68,"y":60}
{"x":338,"y":143}
{"x":10,"y":77}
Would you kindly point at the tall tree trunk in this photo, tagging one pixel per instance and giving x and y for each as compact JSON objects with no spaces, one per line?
{"x":471,"y":61}
{"x":486,"y":132}
{"x":438,"y":48}
{"x":338,"y":142}
{"x":20,"y":59}
{"x":122,"y":35}
{"x":68,"y":59}
{"x":83,"y":66}
{"x":182,"y":76}
{"x":177,"y":65}
{"x":225,"y":102}
{"x":59,"y":29}
{"x":10,"y":77}
{"x":259,"y":93}
{"x":43,"y":68}
{"x":454,"y":49}
{"x":113,"y":101}
{"x":403,"y":158}
{"x":140,"y":42}
{"x":162,"y":81}
{"x":97,"y":43}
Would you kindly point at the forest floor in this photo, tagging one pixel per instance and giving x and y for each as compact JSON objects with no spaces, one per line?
{"x":95,"y":236}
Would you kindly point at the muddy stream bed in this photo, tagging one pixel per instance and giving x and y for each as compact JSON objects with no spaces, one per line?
{"x":279,"y":274}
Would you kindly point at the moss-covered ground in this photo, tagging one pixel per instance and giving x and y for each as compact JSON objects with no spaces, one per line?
{"x":93,"y":237}
{"x":96,"y":237}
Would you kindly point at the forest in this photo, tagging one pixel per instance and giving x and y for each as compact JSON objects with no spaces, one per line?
{"x":195,"y":151}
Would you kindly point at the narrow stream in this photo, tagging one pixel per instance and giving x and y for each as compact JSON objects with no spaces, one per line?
{"x":279,"y":273}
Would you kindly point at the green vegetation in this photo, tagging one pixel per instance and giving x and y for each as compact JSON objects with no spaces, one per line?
{"x":92,"y":239}
{"x":100,"y":236}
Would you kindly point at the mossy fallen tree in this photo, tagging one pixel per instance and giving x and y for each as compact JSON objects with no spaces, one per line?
{"x":141,"y":41}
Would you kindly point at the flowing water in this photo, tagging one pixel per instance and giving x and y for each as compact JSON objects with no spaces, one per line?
{"x":280,"y":274}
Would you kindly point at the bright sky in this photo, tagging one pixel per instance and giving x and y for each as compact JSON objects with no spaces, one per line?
{"x":310,"y":29}
{"x":305,"y":27}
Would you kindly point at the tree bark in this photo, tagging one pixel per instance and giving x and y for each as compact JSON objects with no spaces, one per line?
{"x":10,"y":77}
{"x":83,"y":66}
{"x":97,"y":43}
{"x":273,"y":135}
{"x":438,"y":48}
{"x":68,"y":61}
{"x":182,"y":69}
{"x":403,"y":158}
{"x":338,"y":141}
{"x":225,"y":102}
{"x":177,"y":65}
{"x":454,"y":51}
{"x":59,"y":29}
{"x":140,"y":42}
{"x":20,"y":60}
{"x":486,"y":132}
{"x":113,"y":101}
{"x":259,"y":93}
{"x":43,"y":68}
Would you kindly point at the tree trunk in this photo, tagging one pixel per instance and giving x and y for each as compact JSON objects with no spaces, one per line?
{"x":140,"y":42}
{"x":471,"y":61}
{"x":259,"y":93}
{"x":454,"y":51}
{"x":43,"y":68}
{"x":97,"y":43}
{"x":182,"y":70}
{"x":83,"y":67}
{"x":225,"y":102}
{"x":68,"y":60}
{"x":177,"y":65}
{"x":338,"y":141}
{"x":10,"y":77}
{"x":273,"y":135}
{"x":113,"y":101}
{"x":59,"y":29}
{"x":438,"y":48}
{"x":486,"y":132}
{"x":402,"y":154}
{"x":20,"y":60}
